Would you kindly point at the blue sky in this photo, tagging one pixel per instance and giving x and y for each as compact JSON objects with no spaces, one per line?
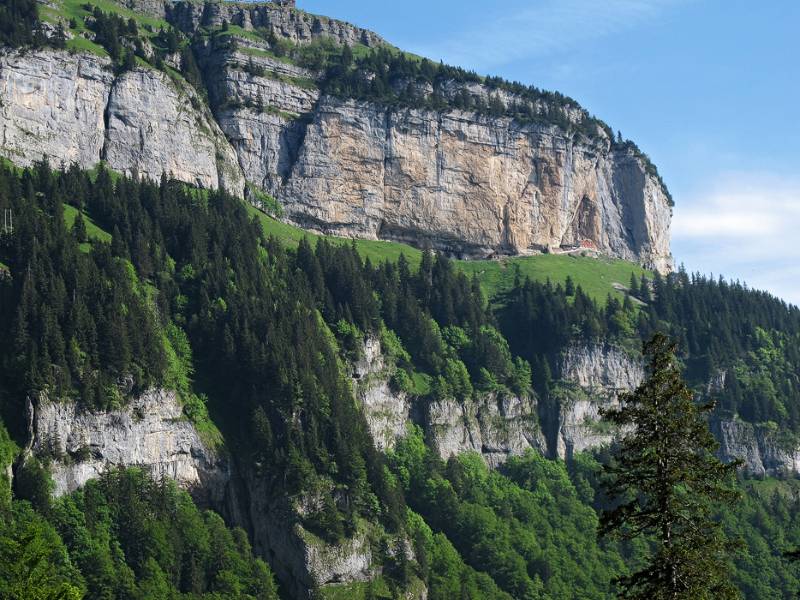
{"x":710,"y":89}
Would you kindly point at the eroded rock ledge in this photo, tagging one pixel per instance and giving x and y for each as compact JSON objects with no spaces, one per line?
{"x":151,"y":432}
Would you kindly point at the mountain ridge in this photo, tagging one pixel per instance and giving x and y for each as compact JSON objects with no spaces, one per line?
{"x":435,"y":156}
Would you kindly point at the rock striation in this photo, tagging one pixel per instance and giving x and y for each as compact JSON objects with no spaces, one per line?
{"x":759,"y":447}
{"x":387,"y":411}
{"x":495,"y":426}
{"x":69,"y":108}
{"x":591,"y":377}
{"x":274,"y":18}
{"x":150,"y":432}
{"x":471,"y":185}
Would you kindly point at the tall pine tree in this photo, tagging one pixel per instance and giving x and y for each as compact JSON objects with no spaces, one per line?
{"x":666,"y":481}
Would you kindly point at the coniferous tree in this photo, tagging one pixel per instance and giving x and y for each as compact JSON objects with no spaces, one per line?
{"x":666,"y":481}
{"x":79,"y":228}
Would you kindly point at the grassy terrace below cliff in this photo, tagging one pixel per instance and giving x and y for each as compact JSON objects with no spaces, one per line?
{"x":598,"y":276}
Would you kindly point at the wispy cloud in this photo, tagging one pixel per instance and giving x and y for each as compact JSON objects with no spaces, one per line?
{"x":546,"y":27}
{"x":745,"y":226}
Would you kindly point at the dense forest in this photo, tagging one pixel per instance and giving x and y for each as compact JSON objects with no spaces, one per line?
{"x":196,"y":298}
{"x":20,"y":24}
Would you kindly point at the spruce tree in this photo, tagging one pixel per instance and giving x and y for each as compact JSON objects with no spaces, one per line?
{"x":666,"y":481}
{"x":79,"y":228}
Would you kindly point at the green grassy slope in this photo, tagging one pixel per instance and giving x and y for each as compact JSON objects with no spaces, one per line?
{"x":597,"y":276}
{"x":92,"y":230}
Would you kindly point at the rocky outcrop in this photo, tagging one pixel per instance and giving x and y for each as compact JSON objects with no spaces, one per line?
{"x":302,"y":561}
{"x":72,"y":108}
{"x":466,"y":184}
{"x":53,"y":107}
{"x":387,"y":411}
{"x":150,"y":432}
{"x":155,"y":125}
{"x":495,"y":426}
{"x":759,"y":447}
{"x":591,"y":377}
{"x":601,"y":369}
{"x":273,"y":18}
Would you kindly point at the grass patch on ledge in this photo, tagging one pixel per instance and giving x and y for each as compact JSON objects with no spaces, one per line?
{"x":74,"y":12}
{"x":375,"y":250}
{"x":93,"y":231}
{"x":596,"y":276}
{"x":74,"y":9}
{"x":264,"y":53}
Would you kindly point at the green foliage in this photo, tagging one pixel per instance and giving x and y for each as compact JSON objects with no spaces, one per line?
{"x":77,"y":323}
{"x":667,"y":481}
{"x":527,"y":529}
{"x":595,"y":276}
{"x":265,"y":202}
{"x":19,"y":24}
{"x":32,"y":482}
{"x":34,"y":564}
{"x":191,"y":281}
{"x":8,"y":451}
{"x":72,"y":216}
{"x":446,"y":573}
{"x":134,"y":538}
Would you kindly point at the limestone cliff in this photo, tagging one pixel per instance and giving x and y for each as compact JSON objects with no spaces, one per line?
{"x":470,"y":185}
{"x":275,"y":18}
{"x":495,"y":426}
{"x":759,"y":447}
{"x":387,"y":411}
{"x":150,"y":432}
{"x":591,"y":377}
{"x":465,"y":183}
{"x":72,"y":108}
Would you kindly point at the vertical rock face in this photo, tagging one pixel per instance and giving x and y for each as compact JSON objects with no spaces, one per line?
{"x":591,"y":377}
{"x":72,"y":108}
{"x":52,"y":107}
{"x":472,"y":185}
{"x":150,"y":433}
{"x":494,"y":426}
{"x":387,"y":411}
{"x":467,"y":184}
{"x":758,"y":447}
{"x":154,"y":127}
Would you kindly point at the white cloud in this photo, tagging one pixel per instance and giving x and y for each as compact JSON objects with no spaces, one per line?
{"x":745,"y":226}
{"x":546,"y":27}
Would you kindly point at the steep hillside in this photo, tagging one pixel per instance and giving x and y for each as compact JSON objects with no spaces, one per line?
{"x":352,"y":136}
{"x":308,"y":395}
{"x":391,"y":416}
